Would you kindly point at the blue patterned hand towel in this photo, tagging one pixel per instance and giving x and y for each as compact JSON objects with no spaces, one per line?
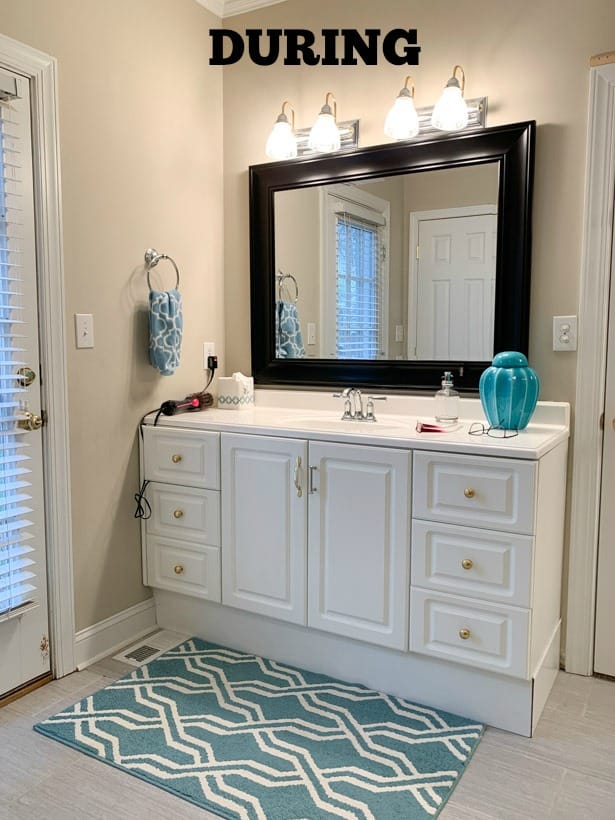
{"x":288,"y":339}
{"x":165,"y":330}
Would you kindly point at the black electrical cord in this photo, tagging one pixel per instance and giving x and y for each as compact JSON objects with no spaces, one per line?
{"x":143,"y":511}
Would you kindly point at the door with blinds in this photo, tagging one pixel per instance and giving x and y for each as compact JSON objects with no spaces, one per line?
{"x":355,"y":285}
{"x":24,"y":644}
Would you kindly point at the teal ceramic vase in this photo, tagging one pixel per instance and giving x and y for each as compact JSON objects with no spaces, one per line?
{"x":509,"y":391}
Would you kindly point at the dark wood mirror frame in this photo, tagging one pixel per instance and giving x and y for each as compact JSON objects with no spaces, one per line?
{"x":511,"y":146}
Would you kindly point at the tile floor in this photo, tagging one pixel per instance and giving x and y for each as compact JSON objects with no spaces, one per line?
{"x":566,"y":772}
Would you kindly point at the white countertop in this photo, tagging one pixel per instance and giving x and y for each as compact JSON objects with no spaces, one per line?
{"x":315,"y":415}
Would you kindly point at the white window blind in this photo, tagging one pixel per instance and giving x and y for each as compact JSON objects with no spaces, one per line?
{"x":17,"y":568}
{"x":359,"y":282}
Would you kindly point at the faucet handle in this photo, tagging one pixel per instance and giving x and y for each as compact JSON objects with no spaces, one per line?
{"x":369,"y":414}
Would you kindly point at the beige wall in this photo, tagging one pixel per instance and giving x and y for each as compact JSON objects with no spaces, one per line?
{"x":530,"y":59}
{"x":297,"y":230}
{"x":140,"y":115}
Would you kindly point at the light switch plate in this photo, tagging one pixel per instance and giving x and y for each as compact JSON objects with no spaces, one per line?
{"x":311,"y":333}
{"x":564,"y":333}
{"x":84,"y":329}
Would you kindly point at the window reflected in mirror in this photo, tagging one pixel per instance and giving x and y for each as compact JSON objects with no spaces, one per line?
{"x":393,"y":268}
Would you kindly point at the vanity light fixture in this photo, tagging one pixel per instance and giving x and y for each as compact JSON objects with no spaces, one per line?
{"x":402,"y":121}
{"x":325,"y":135}
{"x":282,"y":143}
{"x":450,"y":113}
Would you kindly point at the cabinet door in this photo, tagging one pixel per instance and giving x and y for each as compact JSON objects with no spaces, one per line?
{"x":358,"y":550}
{"x":264,"y":525}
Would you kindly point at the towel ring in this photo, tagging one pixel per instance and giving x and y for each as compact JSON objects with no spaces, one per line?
{"x":281,"y":277}
{"x":152,"y":257}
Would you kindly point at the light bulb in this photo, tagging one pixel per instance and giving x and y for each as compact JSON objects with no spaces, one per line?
{"x":281,"y":143}
{"x":450,"y":113}
{"x":325,"y":135}
{"x":402,"y":121}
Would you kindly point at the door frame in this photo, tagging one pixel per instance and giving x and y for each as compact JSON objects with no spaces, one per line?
{"x":41,"y":70}
{"x":414,"y":224}
{"x":596,"y":275}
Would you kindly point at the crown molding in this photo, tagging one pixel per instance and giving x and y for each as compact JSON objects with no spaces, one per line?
{"x":229,"y":8}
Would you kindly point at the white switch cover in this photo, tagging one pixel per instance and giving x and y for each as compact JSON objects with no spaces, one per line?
{"x":311,"y":333}
{"x":84,"y":329}
{"x":399,"y":333}
{"x":564,"y":333}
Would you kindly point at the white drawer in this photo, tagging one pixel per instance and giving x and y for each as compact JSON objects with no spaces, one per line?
{"x":493,"y":566}
{"x":468,"y":631}
{"x":183,"y":512}
{"x":183,"y":457}
{"x":179,"y":567}
{"x":495,"y":493}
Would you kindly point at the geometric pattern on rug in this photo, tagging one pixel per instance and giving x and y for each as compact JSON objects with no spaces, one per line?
{"x":255,"y":739}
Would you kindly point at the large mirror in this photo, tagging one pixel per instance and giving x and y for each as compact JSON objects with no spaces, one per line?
{"x":385,"y":266}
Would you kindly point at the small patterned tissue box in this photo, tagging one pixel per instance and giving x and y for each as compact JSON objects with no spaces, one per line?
{"x":235,"y":394}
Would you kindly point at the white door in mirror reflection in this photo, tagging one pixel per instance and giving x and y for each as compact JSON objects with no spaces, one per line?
{"x":452,"y":293}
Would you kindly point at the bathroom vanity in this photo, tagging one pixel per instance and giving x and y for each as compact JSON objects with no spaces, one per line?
{"x":424,"y":565}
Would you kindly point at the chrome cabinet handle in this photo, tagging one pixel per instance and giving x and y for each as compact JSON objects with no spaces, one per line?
{"x":297,"y":483}
{"x":311,"y":488}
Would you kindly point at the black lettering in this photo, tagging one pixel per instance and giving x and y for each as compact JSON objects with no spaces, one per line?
{"x":254,"y":35}
{"x":410,"y":54}
{"x":218,"y":36}
{"x":300,"y":40}
{"x":330,"y":55}
{"x":354,"y":42}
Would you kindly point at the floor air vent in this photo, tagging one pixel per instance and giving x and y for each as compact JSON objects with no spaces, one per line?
{"x":150,"y":647}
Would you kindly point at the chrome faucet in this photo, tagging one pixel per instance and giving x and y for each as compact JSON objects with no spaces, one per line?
{"x":353,"y":405}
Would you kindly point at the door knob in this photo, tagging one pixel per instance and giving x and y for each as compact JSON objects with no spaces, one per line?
{"x":30,"y":422}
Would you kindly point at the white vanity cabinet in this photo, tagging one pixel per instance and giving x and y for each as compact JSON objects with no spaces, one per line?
{"x":264,"y":527}
{"x":182,"y":534}
{"x":486,"y":559}
{"x":358,"y":542}
{"x":427,"y":566}
{"x":318,"y":522}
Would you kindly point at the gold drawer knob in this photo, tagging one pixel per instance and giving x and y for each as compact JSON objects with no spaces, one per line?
{"x":468,"y":492}
{"x":464,"y":634}
{"x":178,"y":514}
{"x":178,"y":569}
{"x":176,"y":458}
{"x":467,"y":563}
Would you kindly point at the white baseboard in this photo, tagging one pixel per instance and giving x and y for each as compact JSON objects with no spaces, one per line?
{"x":110,"y":635}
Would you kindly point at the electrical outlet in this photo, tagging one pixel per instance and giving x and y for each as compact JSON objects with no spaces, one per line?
{"x":564,"y":333}
{"x":399,"y":333}
{"x":209,"y":349}
{"x":311,"y":333}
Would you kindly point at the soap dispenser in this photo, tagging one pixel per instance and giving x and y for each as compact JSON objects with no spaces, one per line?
{"x":447,"y":401}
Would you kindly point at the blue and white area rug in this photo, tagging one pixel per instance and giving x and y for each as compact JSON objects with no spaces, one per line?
{"x":251,"y":738}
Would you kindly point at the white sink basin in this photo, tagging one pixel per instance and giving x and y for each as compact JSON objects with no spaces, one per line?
{"x":329,"y":421}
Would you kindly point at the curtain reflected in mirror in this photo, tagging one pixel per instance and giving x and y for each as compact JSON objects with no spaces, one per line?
{"x":394,"y":268}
